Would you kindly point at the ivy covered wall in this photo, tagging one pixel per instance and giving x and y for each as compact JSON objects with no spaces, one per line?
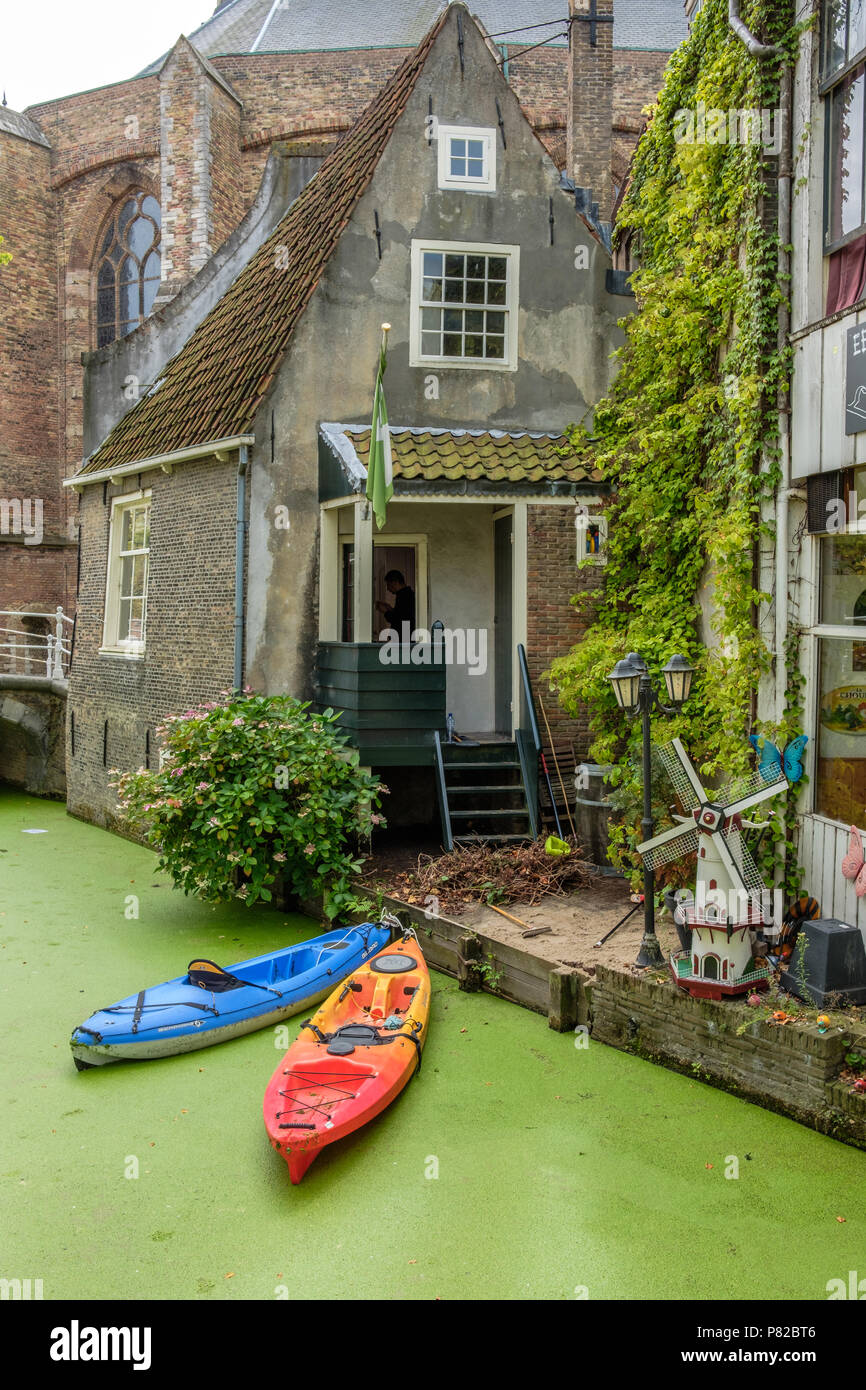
{"x":688,"y":437}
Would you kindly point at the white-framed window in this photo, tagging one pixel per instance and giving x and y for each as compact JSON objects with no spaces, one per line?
{"x":467,"y":158}
{"x":128,"y":569}
{"x":591,"y":530}
{"x":464,"y":305}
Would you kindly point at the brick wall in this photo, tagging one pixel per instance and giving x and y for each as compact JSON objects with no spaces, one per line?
{"x":553,"y":623}
{"x":189,"y":653}
{"x":790,"y":1069}
{"x":31,"y":575}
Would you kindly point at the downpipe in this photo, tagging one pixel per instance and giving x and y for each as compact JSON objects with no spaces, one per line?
{"x":755,"y":47}
{"x":240,"y":547}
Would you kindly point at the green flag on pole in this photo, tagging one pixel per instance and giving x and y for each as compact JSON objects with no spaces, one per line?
{"x":380,"y":487}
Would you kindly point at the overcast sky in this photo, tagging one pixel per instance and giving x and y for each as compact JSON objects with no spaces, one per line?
{"x":59,"y":47}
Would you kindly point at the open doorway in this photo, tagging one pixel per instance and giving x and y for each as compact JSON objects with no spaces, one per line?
{"x":405,"y":599}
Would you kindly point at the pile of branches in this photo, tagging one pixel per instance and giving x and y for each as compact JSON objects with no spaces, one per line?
{"x":480,"y":874}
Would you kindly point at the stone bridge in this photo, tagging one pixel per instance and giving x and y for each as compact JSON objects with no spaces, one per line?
{"x":32,"y":733}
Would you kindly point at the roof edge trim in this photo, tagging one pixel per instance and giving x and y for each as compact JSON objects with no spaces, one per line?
{"x":193,"y":451}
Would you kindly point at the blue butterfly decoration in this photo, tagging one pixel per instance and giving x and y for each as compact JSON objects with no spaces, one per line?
{"x":772,"y":763}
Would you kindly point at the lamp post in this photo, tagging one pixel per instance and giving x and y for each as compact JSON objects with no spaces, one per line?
{"x":633,"y":688}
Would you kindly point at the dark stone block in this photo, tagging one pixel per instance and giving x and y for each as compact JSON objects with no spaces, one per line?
{"x":834,"y":963}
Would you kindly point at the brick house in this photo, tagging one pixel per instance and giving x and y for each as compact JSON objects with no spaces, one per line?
{"x":226,"y":506}
{"x":216,"y":136}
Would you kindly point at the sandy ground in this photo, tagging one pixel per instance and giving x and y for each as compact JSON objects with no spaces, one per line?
{"x":576,"y":923}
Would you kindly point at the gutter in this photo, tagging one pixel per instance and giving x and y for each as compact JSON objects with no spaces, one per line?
{"x":240,"y":543}
{"x":166,"y":462}
{"x":755,"y":47}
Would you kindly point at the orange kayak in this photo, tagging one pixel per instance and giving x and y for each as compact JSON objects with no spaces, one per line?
{"x":352,"y":1058}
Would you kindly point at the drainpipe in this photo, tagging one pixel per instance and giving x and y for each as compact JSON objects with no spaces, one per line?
{"x":784,"y":418}
{"x":755,"y":47}
{"x":240,"y":540}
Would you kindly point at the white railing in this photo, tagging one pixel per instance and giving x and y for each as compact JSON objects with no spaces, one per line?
{"x":24,"y":653}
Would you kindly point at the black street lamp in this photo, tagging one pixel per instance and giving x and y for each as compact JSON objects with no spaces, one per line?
{"x":633,"y":688}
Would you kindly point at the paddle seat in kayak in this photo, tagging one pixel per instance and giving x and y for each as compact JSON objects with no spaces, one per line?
{"x":352,"y":1058}
{"x":209,"y":1004}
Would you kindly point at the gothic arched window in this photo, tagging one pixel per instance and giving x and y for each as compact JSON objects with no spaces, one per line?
{"x":127,"y":274}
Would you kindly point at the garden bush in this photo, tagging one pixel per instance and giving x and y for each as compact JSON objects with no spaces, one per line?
{"x":251,"y":790}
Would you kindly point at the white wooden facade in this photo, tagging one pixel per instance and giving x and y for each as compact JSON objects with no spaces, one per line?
{"x":818,"y":446}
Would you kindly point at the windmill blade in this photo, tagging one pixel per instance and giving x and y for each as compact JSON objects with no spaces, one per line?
{"x":748,"y":868}
{"x":690,"y":773}
{"x":734,"y":869}
{"x":670,"y":847}
{"x":674,"y":833}
{"x":672,"y":765}
{"x":733,"y":808}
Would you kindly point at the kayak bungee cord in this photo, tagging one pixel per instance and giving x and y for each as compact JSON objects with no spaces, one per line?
{"x":319,"y":1081}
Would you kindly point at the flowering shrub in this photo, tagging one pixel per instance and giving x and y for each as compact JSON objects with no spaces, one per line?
{"x":250,"y":790}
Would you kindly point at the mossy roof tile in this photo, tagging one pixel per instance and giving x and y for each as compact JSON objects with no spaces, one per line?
{"x":446,"y":455}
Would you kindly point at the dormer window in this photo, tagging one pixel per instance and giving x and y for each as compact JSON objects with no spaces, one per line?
{"x":467,"y":158}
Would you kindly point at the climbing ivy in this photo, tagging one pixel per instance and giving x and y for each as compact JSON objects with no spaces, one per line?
{"x":688,"y":435}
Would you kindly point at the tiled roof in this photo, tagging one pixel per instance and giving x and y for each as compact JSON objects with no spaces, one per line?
{"x":213,"y":387}
{"x":447,"y":456}
{"x":244,"y":26}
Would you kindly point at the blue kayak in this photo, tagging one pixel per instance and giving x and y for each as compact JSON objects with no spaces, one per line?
{"x":210,"y":1004}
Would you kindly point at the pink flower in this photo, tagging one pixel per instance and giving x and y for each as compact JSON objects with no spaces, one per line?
{"x":310,"y":849}
{"x":202,"y":786}
{"x":280,"y":858}
{"x":214,"y":820}
{"x":177,"y":772}
{"x":237,"y":723}
{"x":375,"y":820}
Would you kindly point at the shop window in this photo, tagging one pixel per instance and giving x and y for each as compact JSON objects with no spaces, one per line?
{"x":128,"y":267}
{"x":840,"y":780}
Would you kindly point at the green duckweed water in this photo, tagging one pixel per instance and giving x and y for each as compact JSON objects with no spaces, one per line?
{"x":558,"y":1168}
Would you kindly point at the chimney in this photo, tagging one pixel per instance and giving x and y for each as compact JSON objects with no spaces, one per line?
{"x":590,"y":101}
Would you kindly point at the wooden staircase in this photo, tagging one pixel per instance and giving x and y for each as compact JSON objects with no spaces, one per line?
{"x":483,"y":794}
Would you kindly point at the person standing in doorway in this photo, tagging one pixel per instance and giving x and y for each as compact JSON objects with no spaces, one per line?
{"x":401,"y":613}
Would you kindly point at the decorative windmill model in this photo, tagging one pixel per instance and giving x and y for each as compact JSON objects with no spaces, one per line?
{"x":730,"y":895}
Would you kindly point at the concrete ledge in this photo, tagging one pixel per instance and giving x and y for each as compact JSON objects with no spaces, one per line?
{"x":791,"y":1069}
{"x":44,"y":684}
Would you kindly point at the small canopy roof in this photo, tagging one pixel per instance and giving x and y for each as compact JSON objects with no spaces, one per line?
{"x":453,"y":461}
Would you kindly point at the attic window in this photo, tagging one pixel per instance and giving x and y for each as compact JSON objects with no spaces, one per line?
{"x":464,"y":305}
{"x":467,"y":158}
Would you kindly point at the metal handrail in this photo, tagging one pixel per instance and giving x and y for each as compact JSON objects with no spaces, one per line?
{"x":34,"y":647}
{"x":442,"y":791}
{"x":528,"y":696}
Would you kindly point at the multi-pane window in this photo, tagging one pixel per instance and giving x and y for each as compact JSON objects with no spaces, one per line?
{"x":839,"y":778}
{"x":128,"y":272}
{"x":129,"y":562}
{"x":467,"y":158}
{"x":843,"y":86}
{"x":464,"y":304}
